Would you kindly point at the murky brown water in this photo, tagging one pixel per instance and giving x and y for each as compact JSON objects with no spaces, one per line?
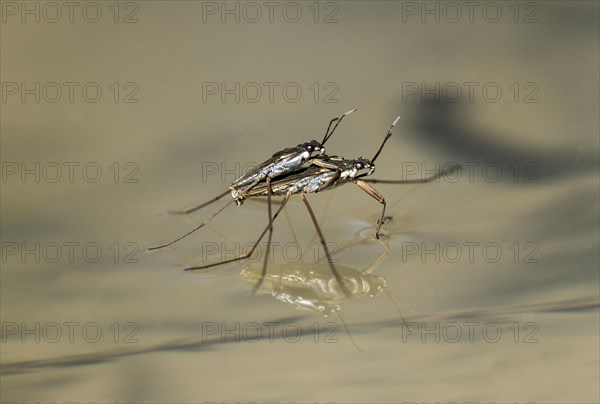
{"x":495,"y":271}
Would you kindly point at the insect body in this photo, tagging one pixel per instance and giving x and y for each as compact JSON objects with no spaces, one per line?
{"x":324,"y":173}
{"x":282,"y":162}
{"x":285,"y":174}
{"x":279,"y":164}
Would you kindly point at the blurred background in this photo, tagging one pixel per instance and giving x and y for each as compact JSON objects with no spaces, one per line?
{"x":114,"y":113}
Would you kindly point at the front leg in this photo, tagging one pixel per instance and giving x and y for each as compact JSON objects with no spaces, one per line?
{"x":323,"y":162}
{"x":377,"y":196}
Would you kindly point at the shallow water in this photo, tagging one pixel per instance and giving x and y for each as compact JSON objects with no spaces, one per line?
{"x":495,"y":272}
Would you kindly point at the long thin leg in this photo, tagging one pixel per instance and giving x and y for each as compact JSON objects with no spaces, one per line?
{"x":378,"y":260}
{"x":377,"y":196}
{"x":395,"y":303}
{"x":283,"y":203}
{"x":348,"y":331}
{"x":312,"y":240}
{"x":196,"y":228}
{"x":206,"y":221}
{"x":216,"y":198}
{"x":202,"y":205}
{"x":260,"y":199}
{"x":336,"y":274}
{"x":415,"y":181}
{"x":268,"y":248}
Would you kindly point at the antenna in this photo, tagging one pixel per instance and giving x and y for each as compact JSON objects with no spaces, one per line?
{"x":387,"y":136}
{"x":327,"y":134}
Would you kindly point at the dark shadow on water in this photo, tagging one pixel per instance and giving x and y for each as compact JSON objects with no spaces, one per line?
{"x":500,"y":314}
{"x":447,"y":128}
